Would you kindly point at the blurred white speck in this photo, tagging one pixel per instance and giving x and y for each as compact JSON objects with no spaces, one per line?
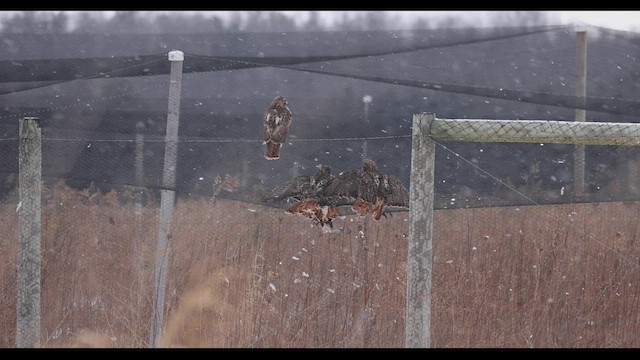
{"x":361,"y":232}
{"x":591,"y":322}
{"x":305,"y":250}
{"x":331,"y":291}
{"x":272,"y":287}
{"x":567,"y":293}
{"x":20,"y":205}
{"x":113,"y":338}
{"x":252,"y":210}
{"x":449,"y":261}
{"x":226,"y":279}
{"x":380,"y":265}
{"x":297,"y":281}
{"x":200,"y":178}
{"x":305,"y":274}
{"x":332,"y":270}
{"x":89,"y":145}
{"x":295,"y":258}
{"x":474,"y":248}
{"x":355,"y":285}
{"x":486,"y":237}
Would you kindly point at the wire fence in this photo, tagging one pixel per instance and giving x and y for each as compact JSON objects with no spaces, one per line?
{"x":509,"y":269}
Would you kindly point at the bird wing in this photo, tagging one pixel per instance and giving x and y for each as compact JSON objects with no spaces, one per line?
{"x":398,"y":194}
{"x":276,"y":125}
{"x":343,"y":185}
{"x":298,"y":187}
{"x":269,"y":124}
{"x":345,"y":188}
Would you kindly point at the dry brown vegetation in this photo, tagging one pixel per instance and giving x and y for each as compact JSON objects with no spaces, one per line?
{"x":243,"y":275}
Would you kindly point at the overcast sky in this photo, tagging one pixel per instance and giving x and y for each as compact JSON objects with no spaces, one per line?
{"x":620,"y":20}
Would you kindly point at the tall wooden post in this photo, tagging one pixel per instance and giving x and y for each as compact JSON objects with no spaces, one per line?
{"x":167,"y":197}
{"x":420,"y":256}
{"x":29,"y":250}
{"x":580,"y":112}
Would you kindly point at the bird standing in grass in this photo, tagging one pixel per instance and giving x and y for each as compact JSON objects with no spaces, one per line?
{"x":277,"y":119}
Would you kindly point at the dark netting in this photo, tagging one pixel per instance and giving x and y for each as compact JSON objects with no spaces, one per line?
{"x":242,"y":272}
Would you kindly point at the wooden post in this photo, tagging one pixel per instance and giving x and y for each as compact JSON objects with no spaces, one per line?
{"x":167,"y":197}
{"x":580,"y":112}
{"x":29,"y":250}
{"x":420,"y":256}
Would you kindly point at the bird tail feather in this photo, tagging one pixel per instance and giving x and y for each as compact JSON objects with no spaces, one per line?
{"x":273,"y":151}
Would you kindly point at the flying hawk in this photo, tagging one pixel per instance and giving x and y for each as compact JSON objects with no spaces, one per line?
{"x":277,"y":119}
{"x":367,"y":190}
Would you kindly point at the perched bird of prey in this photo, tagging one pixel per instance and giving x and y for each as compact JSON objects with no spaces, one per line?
{"x":367,"y":190}
{"x":277,"y":119}
{"x":302,"y":187}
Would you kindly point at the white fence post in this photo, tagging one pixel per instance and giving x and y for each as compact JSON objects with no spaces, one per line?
{"x":29,"y":251}
{"x":167,"y":197}
{"x":580,"y":112}
{"x":420,"y":255}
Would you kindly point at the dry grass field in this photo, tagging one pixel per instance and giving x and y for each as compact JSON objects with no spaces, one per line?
{"x":242,"y":275}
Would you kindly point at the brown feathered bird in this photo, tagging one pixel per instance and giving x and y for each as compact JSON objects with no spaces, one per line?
{"x":318,"y":213}
{"x":367,"y":190}
{"x":302,"y":187}
{"x":305,"y":189}
{"x":277,"y":119}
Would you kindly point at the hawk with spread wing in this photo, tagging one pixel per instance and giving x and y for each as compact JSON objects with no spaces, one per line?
{"x":305,"y":190}
{"x":301,"y":187}
{"x":367,"y":190}
{"x":277,"y":119}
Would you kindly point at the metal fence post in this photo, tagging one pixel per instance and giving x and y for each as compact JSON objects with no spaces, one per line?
{"x":420,"y":256}
{"x":29,"y":251}
{"x":167,"y":197}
